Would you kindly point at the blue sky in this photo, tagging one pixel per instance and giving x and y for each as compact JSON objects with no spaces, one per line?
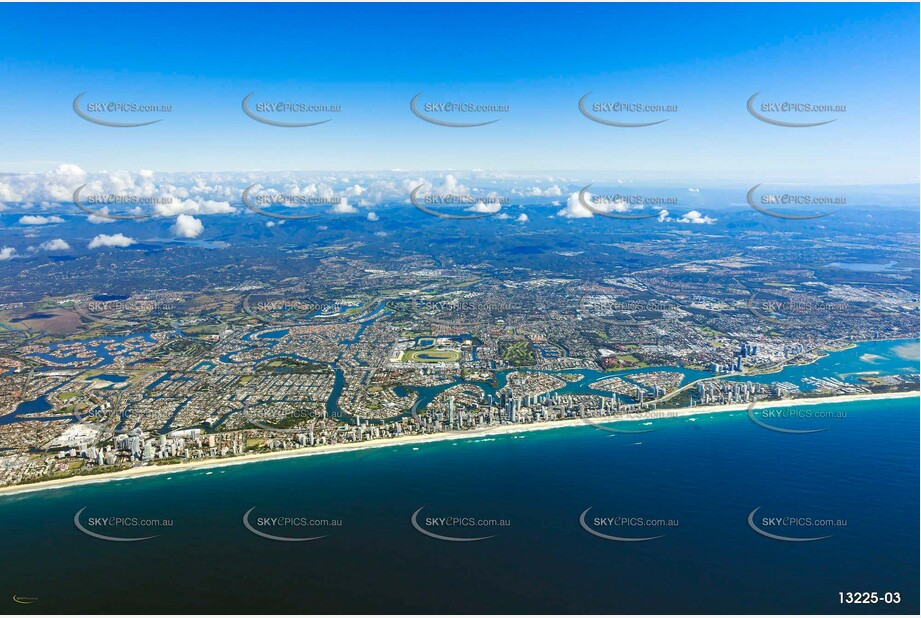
{"x":538,"y":59}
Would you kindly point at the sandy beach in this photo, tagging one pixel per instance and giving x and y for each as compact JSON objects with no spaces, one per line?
{"x":664,"y":413}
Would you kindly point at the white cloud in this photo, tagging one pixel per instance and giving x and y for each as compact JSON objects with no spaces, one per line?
{"x":574,"y":208}
{"x":696,"y":217}
{"x":58,"y":244}
{"x":187,"y":226}
{"x":552,"y":191}
{"x":6,"y":253}
{"x":169,"y":195}
{"x":693,"y":190}
{"x":193,"y":207}
{"x":372,"y":216}
{"x":490,"y":208}
{"x":60,"y":183}
{"x":663,"y":216}
{"x":343,"y":207}
{"x":452,"y":186}
{"x":522,"y":218}
{"x":39,"y":220}
{"x":99,"y":220}
{"x":111,"y":240}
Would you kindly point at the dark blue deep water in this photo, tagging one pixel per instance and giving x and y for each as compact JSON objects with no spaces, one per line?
{"x":708,"y":474}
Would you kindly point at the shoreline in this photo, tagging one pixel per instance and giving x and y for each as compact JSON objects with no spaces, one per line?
{"x":659,"y":414}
